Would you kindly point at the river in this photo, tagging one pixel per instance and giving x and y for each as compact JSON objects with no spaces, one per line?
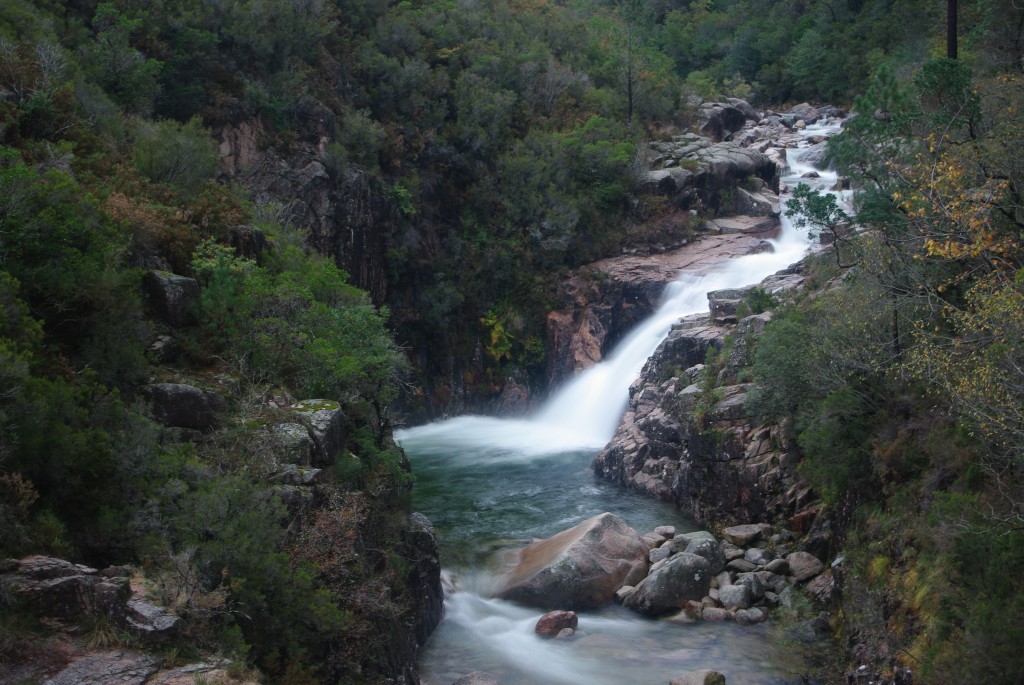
{"x":490,"y":483}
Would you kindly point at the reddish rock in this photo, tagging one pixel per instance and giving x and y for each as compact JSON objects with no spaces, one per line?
{"x":579,"y":568}
{"x":802,"y":522}
{"x":551,"y":624}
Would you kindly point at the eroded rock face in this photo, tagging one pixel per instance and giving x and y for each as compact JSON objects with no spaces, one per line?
{"x":579,"y":568}
{"x":704,"y":451}
{"x":606,"y":299}
{"x":424,"y":579}
{"x":345,"y":214}
{"x":108,"y":668}
{"x":55,"y":588}
{"x":326,"y":424}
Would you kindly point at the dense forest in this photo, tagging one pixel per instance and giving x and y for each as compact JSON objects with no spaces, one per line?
{"x":479,"y":150}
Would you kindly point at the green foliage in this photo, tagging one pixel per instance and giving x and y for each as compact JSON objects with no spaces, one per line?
{"x":127,"y":76}
{"x":756,"y":301}
{"x":181,"y":155}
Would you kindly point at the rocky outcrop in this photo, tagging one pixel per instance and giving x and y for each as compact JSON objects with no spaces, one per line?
{"x":688,"y":438}
{"x":606,"y":299}
{"x":180,"y":405}
{"x":55,"y":588}
{"x":172,"y":297}
{"x":108,"y":668}
{"x":343,"y":211}
{"x":325,"y":423}
{"x":699,"y":173}
{"x":580,"y":568}
{"x":720,"y":120}
{"x":424,"y":576}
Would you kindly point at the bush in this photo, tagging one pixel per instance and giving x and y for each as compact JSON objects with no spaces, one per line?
{"x":181,"y":155}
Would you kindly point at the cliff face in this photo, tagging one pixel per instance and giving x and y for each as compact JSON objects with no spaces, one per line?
{"x":687,"y":435}
{"x":344,"y":212}
{"x":604,"y":300}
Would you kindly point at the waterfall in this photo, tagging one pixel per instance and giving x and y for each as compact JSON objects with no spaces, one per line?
{"x":488,"y":483}
{"x":584,"y":413}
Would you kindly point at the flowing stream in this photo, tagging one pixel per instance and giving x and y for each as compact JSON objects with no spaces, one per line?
{"x":489,"y":483}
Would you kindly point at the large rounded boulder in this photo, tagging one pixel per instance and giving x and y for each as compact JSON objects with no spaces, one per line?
{"x":579,"y":568}
{"x":683,"y":578}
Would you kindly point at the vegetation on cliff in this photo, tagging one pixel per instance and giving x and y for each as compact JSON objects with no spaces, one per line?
{"x":296,"y":582}
{"x":904,"y":374}
{"x":500,"y":137}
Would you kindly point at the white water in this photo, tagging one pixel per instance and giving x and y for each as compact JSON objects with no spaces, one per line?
{"x":584,"y":413}
{"x":484,"y":478}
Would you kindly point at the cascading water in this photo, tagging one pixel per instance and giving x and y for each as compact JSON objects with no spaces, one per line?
{"x":488,"y":482}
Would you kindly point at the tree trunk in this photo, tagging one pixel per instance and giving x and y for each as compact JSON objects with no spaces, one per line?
{"x":951,"y":29}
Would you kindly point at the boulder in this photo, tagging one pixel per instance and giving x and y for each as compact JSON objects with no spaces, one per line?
{"x":744,"y":534}
{"x":728,"y":162}
{"x":746,"y":617}
{"x":172,"y":297}
{"x":424,"y":577}
{"x":758,"y":556}
{"x":292,"y":444}
{"x":552,"y":623}
{"x":779,"y":566}
{"x":734,"y":596}
{"x":668,"y":532}
{"x":150,"y":623}
{"x":326,"y":424}
{"x":702,"y":677}
{"x":756,"y":584}
{"x":723,"y":304}
{"x":803,"y":565}
{"x":816,"y":155}
{"x":579,"y":568}
{"x":731,"y":551}
{"x":657,"y":554}
{"x":653,"y":540}
{"x":821,"y":588}
{"x":744,"y":106}
{"x":806,"y":113}
{"x":757,"y":204}
{"x":749,"y":225}
{"x":741,"y":566}
{"x":720,"y":120}
{"x":684,"y":577}
{"x":184,"y":406}
{"x":710,"y":550}
{"x":716,"y":614}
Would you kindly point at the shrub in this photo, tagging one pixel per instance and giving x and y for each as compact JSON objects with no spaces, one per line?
{"x":181,"y":155}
